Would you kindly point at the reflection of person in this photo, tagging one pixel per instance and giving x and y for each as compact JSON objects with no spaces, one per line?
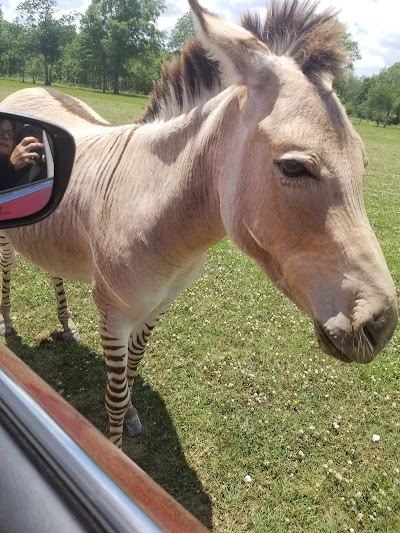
{"x":15,"y":161}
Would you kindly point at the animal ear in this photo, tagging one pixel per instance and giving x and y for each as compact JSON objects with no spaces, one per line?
{"x":242,"y":57}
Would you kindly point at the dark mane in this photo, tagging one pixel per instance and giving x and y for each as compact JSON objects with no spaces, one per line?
{"x":290,"y":28}
{"x":293,"y":29}
{"x":183,"y":81}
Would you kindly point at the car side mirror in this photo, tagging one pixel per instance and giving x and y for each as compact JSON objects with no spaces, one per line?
{"x":36,"y":160}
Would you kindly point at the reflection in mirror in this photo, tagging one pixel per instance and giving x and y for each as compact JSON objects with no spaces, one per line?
{"x":26,"y":168}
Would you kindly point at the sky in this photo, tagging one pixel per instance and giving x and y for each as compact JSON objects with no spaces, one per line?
{"x":374,"y":24}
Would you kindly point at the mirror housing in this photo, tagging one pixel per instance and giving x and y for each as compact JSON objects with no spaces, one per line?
{"x":32,"y":193}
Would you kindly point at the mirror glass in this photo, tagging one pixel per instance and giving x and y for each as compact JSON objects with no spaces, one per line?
{"x":26,"y":168}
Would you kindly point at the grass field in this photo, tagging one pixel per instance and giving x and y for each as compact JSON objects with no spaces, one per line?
{"x":117,"y":109}
{"x":233,"y":384}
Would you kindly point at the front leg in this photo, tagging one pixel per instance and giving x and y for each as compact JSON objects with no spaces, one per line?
{"x":136,"y":348}
{"x":114,"y":334}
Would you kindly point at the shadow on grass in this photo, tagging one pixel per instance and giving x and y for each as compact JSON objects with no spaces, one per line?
{"x":80,"y":374}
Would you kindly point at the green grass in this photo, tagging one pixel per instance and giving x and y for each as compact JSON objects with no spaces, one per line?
{"x":233,"y":384}
{"x":118,"y":109}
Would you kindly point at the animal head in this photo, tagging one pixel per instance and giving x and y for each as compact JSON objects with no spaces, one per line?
{"x":290,"y":173}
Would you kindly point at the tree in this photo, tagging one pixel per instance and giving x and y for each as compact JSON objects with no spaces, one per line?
{"x":383,"y":95}
{"x":93,"y":45}
{"x":34,"y":67}
{"x":353,"y":54}
{"x":120,"y":31}
{"x":143,"y":72}
{"x":10,"y":47}
{"x":70,"y":67}
{"x":381,"y":100}
{"x":50,"y":34}
{"x":182,"y":30}
{"x":352,"y":49}
{"x":396,"y":110}
{"x":391,"y":77}
{"x":23,"y":49}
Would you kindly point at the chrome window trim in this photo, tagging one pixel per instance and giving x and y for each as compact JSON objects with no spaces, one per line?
{"x":102,"y":497}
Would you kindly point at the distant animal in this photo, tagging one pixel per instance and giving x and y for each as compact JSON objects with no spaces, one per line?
{"x":243,"y":136}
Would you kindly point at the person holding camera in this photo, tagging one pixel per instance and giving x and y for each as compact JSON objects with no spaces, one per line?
{"x":16,"y":160}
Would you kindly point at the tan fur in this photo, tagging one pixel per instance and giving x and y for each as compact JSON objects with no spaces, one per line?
{"x":146,"y":201}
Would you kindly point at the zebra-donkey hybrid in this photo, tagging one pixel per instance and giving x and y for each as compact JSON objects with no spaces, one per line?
{"x":244,"y":137}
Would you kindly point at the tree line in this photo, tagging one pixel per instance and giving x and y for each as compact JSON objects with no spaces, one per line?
{"x":374,"y":97}
{"x":116,"y":46}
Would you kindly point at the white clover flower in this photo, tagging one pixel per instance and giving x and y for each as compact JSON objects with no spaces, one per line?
{"x":301,"y":454}
{"x":335,"y":425}
{"x":376,"y":438}
{"x":247,"y":479}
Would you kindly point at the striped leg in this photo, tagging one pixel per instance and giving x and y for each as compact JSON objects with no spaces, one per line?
{"x":70,"y":332}
{"x":136,"y":348}
{"x":7,"y":259}
{"x":114,"y":334}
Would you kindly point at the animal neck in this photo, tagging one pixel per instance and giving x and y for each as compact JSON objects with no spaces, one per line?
{"x":188,"y":155}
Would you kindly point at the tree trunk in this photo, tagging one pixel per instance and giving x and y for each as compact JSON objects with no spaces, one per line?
{"x":116,"y":84}
{"x":386,"y":119}
{"x":46,"y":73}
{"x":103,"y":82}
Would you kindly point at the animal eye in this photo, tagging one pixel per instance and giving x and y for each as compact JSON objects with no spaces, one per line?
{"x":293,"y":169}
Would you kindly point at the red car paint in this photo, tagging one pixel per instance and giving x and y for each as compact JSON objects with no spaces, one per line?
{"x":166,"y":511}
{"x":26,"y":200}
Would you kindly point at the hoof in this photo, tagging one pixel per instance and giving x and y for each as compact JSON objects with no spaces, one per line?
{"x":71,"y":336}
{"x":133,"y":426}
{"x":5,"y":329}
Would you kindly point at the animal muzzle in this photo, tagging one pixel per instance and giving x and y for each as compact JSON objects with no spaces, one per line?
{"x":358,"y":338}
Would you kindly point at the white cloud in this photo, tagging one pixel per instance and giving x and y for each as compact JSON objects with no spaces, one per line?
{"x":10,"y":9}
{"x":374,"y":25}
{"x":369,"y":22}
{"x":65,"y":7}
